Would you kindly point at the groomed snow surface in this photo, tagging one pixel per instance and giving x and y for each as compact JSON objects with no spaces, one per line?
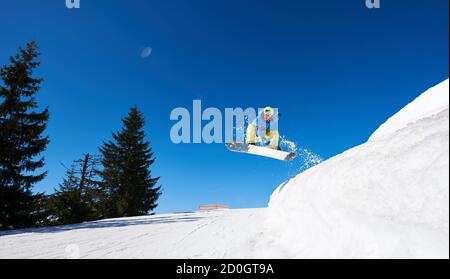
{"x":207,"y":234}
{"x":387,"y":198}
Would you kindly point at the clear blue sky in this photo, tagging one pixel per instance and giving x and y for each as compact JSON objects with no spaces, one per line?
{"x":335,"y":69}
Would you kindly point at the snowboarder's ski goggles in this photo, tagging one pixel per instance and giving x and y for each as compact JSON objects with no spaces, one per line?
{"x":268,"y":112}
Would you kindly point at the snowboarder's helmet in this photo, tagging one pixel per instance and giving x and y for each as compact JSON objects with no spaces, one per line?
{"x":268,"y":111}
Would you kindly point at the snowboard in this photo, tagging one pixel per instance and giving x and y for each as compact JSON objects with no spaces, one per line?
{"x":261,"y":151}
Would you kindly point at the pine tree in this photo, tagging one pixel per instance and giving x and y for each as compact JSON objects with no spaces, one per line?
{"x":77,"y":199}
{"x":66,"y":205}
{"x":21,"y":140}
{"x":129,"y":188}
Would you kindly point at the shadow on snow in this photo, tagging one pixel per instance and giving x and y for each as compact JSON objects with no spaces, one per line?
{"x":107,"y":223}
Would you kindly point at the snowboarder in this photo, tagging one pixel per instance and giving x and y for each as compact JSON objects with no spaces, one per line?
{"x":264,"y":129}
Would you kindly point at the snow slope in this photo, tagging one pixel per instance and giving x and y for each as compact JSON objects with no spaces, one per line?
{"x":387,"y":198}
{"x":433,"y":101}
{"x":208,"y":234}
